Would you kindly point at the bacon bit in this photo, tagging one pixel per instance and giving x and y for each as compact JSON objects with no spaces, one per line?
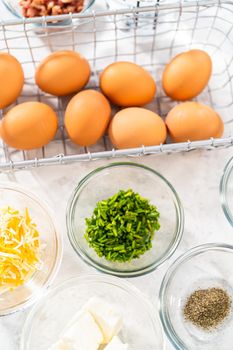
{"x":37,"y":8}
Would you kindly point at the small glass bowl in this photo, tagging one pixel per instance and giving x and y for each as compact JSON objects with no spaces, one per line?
{"x":203,"y":267}
{"x":116,"y":4}
{"x":49,"y":317}
{"x":226,"y":191}
{"x":104,"y":182}
{"x":18,"y":198}
{"x":14,"y":7}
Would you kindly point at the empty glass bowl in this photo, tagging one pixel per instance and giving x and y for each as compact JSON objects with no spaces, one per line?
{"x":203,"y":267}
{"x":116,"y":4}
{"x":48,"y":318}
{"x":133,"y":19}
{"x":18,"y":198}
{"x":103,"y":183}
{"x":226,"y":191}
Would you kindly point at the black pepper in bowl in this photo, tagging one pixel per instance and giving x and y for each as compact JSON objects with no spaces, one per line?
{"x":207,"y":308}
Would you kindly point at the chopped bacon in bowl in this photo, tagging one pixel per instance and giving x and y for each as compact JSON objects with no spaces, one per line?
{"x":37,"y":8}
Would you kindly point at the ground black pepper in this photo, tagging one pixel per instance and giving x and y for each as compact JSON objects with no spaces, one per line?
{"x":207,"y":308}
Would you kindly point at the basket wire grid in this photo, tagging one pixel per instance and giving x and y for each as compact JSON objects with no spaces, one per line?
{"x":149,"y":36}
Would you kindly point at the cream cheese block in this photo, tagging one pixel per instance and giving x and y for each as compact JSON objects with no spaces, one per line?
{"x":60,"y":345}
{"x":116,"y":344}
{"x":84,"y":333}
{"x":107,"y":317}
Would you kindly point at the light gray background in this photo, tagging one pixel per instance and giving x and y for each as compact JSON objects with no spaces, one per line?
{"x":195,"y":176}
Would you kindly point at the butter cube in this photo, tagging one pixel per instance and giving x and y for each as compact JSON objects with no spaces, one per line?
{"x":116,"y":344}
{"x":84,"y":333}
{"x":108,"y":319}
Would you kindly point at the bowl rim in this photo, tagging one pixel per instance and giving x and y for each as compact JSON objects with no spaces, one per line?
{"x":150,"y":307}
{"x":223,"y":188}
{"x":168,"y":328}
{"x":108,"y":270}
{"x":14,"y":186}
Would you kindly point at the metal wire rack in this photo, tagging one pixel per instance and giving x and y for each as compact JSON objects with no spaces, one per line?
{"x":149,"y":36}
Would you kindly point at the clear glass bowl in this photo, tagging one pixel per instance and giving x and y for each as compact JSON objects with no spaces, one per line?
{"x":226,"y":191}
{"x":15,"y":9}
{"x":13,"y":195}
{"x":47,"y":319}
{"x":116,"y":4}
{"x":206,"y":266}
{"x":105,"y":182}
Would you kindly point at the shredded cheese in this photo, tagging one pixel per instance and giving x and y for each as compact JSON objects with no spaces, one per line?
{"x":19,"y":248}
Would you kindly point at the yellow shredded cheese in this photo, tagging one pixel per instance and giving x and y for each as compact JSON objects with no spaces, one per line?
{"x":19,"y":248}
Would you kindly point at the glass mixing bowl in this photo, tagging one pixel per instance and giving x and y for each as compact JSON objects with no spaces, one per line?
{"x":104,"y":182}
{"x":203,"y":267}
{"x":48,"y":318}
{"x":226,"y":191}
{"x":19,"y":198}
{"x":14,"y":7}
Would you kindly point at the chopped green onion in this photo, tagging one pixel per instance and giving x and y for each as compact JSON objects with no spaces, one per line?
{"x":122,"y":227}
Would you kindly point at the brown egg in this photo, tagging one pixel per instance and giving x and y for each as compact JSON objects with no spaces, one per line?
{"x":193,"y":121}
{"x":87,"y":117}
{"x":187,"y":75}
{"x":63,"y":73}
{"x":134,"y":127}
{"x":29,"y":125}
{"x":127,"y":84}
{"x":11,"y":79}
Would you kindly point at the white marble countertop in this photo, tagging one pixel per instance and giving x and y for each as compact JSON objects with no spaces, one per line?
{"x":195,"y":176}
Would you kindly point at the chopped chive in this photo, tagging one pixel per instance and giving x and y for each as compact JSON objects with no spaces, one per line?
{"x":122,"y":227}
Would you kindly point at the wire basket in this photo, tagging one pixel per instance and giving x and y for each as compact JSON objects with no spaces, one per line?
{"x":149,"y":36}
